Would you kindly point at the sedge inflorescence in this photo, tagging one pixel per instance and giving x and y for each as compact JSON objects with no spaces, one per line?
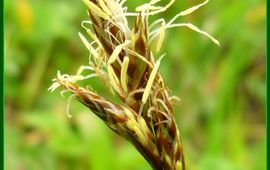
{"x":122,"y":58}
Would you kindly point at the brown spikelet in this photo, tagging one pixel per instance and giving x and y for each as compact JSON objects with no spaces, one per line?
{"x":122,"y":58}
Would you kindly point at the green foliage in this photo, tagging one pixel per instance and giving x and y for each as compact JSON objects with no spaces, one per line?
{"x":221,"y":116}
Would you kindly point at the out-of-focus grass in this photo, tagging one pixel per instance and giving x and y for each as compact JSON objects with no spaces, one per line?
{"x":221,"y":117}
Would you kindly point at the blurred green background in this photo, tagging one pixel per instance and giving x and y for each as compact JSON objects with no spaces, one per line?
{"x":221,"y":117}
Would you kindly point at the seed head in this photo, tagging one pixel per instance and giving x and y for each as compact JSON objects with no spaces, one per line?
{"x":123,"y":59}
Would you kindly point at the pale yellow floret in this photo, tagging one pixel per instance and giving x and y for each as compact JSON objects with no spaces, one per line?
{"x":170,"y":24}
{"x":141,"y":109}
{"x":178,"y":165}
{"x":89,"y":46}
{"x":128,"y":113}
{"x":188,"y":11}
{"x":161,"y":9}
{"x":194,"y":28}
{"x":142,"y":125}
{"x":124,"y":74}
{"x":140,"y":136}
{"x":113,"y":78}
{"x":153,"y":9}
{"x":104,"y":7}
{"x":161,"y":36}
{"x":85,"y":42}
{"x":132,"y":124}
{"x":150,"y":81}
{"x":167,"y":158}
{"x":94,"y":8}
{"x":116,"y":52}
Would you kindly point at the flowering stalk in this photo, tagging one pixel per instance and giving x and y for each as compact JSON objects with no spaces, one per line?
{"x":122,"y":58}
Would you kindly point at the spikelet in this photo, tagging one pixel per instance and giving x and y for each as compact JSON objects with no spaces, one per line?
{"x":122,"y":58}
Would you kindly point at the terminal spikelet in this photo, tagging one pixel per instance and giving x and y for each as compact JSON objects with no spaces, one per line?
{"x":122,"y":58}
